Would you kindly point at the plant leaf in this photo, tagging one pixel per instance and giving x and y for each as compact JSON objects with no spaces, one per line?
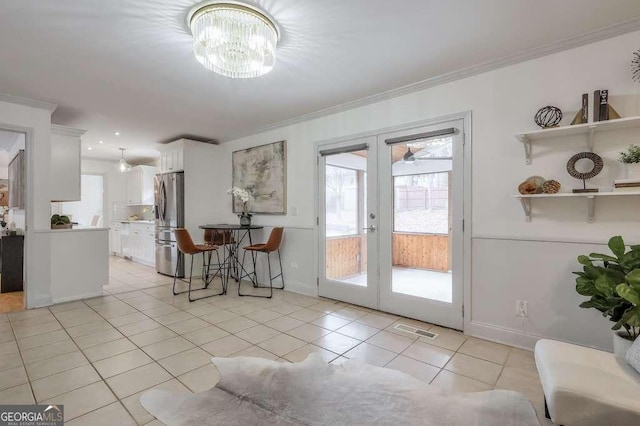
{"x":628,"y":294}
{"x":632,"y":317}
{"x":634,"y":276}
{"x":584,"y":260}
{"x":616,"y":245}
{"x":630,"y":261}
{"x":605,"y":257}
{"x":606,"y":285}
{"x":585,"y":286}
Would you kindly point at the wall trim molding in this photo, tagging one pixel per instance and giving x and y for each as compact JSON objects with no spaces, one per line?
{"x":301,"y":288}
{"x":526,"y":55}
{"x":507,"y":336}
{"x":74,"y":298}
{"x":512,"y":337}
{"x":32,"y":103}
{"x":544,"y":240}
{"x":58,"y":129}
{"x":37,"y":301}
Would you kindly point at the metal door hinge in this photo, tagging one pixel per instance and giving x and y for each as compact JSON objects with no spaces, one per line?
{"x":318,"y":220}
{"x":462,"y":225}
{"x":462,"y":311}
{"x":464,"y":139}
{"x":318,"y":281}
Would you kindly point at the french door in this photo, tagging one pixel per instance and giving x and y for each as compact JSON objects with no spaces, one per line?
{"x":390,"y":222}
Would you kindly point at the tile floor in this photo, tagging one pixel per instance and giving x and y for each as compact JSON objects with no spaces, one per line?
{"x":97,"y":356}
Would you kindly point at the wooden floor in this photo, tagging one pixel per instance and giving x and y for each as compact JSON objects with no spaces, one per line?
{"x":11,"y":302}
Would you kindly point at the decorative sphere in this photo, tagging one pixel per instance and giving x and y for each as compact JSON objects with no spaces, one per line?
{"x":548,"y":116}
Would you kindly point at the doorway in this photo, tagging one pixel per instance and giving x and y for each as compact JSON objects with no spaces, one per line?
{"x":391,"y":209}
{"x":12,"y":220}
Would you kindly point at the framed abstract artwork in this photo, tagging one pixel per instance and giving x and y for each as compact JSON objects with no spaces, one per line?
{"x":262,"y":171}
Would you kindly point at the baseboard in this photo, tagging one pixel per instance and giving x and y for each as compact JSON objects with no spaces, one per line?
{"x":74,"y":298}
{"x":507,"y":336}
{"x":38,"y":301}
{"x":301,"y":288}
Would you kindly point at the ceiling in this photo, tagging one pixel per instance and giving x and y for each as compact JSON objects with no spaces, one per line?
{"x":127,"y":65}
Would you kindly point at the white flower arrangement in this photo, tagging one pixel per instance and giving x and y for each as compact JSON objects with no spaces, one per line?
{"x":242,"y":194}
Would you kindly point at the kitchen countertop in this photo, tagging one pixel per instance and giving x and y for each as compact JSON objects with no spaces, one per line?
{"x":74,"y":229}
{"x":146,"y":222}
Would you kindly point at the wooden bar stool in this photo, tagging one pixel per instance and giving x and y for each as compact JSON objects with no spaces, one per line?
{"x":272,"y":245}
{"x":187,"y":246}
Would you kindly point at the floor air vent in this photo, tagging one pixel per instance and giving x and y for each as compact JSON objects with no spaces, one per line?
{"x":416,"y":331}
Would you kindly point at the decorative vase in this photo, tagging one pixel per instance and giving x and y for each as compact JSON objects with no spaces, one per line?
{"x":632,"y":171}
{"x":245,"y":219}
{"x":621,"y":343}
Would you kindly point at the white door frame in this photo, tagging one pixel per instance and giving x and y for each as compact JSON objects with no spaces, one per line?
{"x":466,"y":117}
{"x":28,"y":220}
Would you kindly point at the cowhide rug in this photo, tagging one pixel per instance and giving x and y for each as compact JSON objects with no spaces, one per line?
{"x":255,"y":391}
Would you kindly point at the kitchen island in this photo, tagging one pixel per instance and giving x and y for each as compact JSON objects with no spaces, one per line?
{"x":79,"y":262}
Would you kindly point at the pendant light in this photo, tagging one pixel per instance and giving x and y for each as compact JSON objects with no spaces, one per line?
{"x":123,"y":166}
{"x":409,"y":156}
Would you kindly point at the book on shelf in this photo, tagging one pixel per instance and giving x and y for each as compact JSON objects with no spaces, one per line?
{"x":623,"y":181}
{"x":596,"y":106}
{"x":623,"y":189}
{"x":584,"y":117}
{"x":604,"y":105}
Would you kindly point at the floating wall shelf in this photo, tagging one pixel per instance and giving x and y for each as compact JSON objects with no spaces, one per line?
{"x":589,"y":196}
{"x":588,"y":129}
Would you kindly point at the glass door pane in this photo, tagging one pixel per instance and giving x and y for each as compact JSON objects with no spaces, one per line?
{"x":420,"y":186}
{"x":344,"y":218}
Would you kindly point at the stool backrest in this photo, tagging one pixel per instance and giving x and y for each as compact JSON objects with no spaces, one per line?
{"x":217,"y":238}
{"x":185,"y":243}
{"x":275,"y":239}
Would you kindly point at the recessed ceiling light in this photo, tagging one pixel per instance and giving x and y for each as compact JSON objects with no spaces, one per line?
{"x":89,"y":148}
{"x":116,"y":133}
{"x":101,"y":142}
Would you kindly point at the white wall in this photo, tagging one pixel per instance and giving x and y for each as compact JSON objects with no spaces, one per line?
{"x":503,"y":103}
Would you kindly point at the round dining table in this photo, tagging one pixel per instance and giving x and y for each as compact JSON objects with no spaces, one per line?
{"x":238,"y":234}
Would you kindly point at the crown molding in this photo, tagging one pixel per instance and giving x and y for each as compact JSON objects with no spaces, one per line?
{"x":58,"y":129}
{"x":27,"y":102}
{"x":526,"y":55}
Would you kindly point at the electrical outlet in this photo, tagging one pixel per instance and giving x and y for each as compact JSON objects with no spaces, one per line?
{"x":522,"y":308}
{"x":294,"y":265}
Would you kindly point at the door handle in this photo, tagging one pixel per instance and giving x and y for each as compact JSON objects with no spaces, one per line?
{"x":372,"y":228}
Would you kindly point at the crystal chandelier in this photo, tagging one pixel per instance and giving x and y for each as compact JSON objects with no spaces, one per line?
{"x":123,"y":166}
{"x":233,"y":39}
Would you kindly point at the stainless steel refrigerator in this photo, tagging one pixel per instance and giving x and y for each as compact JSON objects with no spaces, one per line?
{"x":169,"y":207}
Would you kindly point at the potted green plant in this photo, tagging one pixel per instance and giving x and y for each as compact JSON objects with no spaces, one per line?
{"x":631,"y":160}
{"x":60,"y":222}
{"x":611,"y":282}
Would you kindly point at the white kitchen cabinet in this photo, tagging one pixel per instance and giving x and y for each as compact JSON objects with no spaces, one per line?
{"x":140,"y":185}
{"x":115,"y":238}
{"x":142,"y":243}
{"x":65,"y":163}
{"x":172,"y":160}
{"x":172,"y":155}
